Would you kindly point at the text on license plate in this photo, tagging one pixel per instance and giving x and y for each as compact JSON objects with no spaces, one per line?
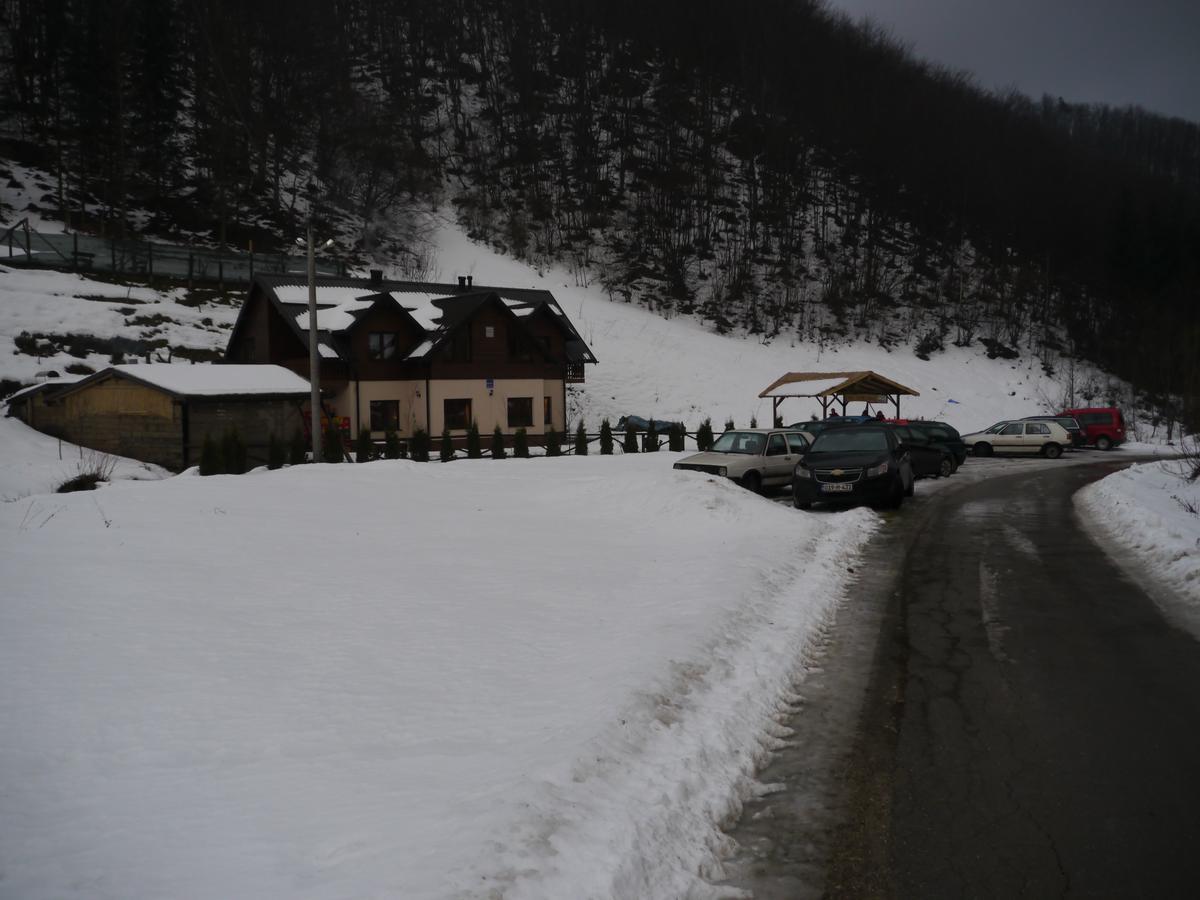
{"x":836,"y":488}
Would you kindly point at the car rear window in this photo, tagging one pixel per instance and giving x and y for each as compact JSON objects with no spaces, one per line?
{"x":849,"y":440}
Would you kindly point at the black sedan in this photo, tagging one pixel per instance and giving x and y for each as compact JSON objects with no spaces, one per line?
{"x":854,"y":464}
{"x":931,"y":457}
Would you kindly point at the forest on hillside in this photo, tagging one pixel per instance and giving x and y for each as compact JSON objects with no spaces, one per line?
{"x":767,"y":166}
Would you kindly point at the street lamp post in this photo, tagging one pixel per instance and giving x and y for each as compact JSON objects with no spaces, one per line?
{"x":314,"y":356}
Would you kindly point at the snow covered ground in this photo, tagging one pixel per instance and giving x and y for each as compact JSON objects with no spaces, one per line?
{"x":1150,"y":512}
{"x":538,"y":679}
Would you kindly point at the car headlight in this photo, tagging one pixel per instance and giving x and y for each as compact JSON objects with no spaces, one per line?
{"x":876,"y":471}
{"x":802,"y":472}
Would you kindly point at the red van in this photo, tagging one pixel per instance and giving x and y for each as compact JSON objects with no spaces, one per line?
{"x":1103,"y":426}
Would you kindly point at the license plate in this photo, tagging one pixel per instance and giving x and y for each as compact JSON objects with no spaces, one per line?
{"x":836,"y":488}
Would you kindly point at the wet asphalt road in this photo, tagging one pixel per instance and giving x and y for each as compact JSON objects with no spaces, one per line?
{"x":1029,"y":723}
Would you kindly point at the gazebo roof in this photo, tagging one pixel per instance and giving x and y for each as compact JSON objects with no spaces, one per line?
{"x":850,"y":385}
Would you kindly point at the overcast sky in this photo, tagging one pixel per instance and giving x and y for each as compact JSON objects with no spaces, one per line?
{"x":1145,"y":52}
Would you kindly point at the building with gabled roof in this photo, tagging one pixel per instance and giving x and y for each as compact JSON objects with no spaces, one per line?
{"x":402,"y":356}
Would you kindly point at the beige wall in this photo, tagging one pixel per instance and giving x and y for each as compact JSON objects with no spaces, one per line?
{"x":410,"y":394}
{"x":492,"y":410}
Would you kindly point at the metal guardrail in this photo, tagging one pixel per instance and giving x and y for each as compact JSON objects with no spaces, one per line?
{"x":21,"y":245}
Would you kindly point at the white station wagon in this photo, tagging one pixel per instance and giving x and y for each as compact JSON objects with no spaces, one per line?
{"x":1047,"y":438}
{"x":754,"y":457}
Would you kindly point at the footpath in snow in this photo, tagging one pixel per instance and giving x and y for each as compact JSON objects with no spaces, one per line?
{"x":549,"y":677}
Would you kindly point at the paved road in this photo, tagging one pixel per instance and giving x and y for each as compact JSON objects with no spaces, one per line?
{"x":1030,"y":728}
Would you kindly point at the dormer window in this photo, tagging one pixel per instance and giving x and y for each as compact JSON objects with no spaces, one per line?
{"x":383,"y":344}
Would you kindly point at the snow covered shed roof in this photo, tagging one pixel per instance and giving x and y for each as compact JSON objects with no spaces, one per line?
{"x":217,"y":380}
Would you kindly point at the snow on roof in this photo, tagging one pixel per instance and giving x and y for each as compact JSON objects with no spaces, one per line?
{"x":48,"y":383}
{"x":217,"y":380}
{"x":519,"y":307}
{"x":421,"y":307}
{"x":326,"y":351}
{"x":421,"y":349}
{"x":334,"y":318}
{"x":326,"y":295}
{"x":805,"y":388}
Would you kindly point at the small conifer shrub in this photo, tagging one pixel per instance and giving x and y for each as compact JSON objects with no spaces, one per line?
{"x":553,"y":442}
{"x":276,"y":453}
{"x":753,"y":421}
{"x":498,"y":444}
{"x":474,"y":444}
{"x":675,"y":437}
{"x":581,"y":441}
{"x":391,"y":445}
{"x":606,"y":438}
{"x":630,"y":443}
{"x":651,"y":442}
{"x":446,"y":449}
{"x":521,"y":444}
{"x":704,"y":436}
{"x":210,"y":457}
{"x":364,"y":448}
{"x":729,"y":426}
{"x":233,"y":453}
{"x":298,"y":449}
{"x":331,"y":446}
{"x":420,"y":445}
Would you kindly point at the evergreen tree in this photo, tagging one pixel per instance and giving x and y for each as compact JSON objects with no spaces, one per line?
{"x":498,"y":444}
{"x":675,"y":437}
{"x":631,"y":442}
{"x":420,"y":445}
{"x":729,"y":426}
{"x":606,"y":438}
{"x":391,"y":445}
{"x":446,"y":451}
{"x":704,"y":435}
{"x":521,"y":444}
{"x":298,"y":449}
{"x":234,"y":452}
{"x":651,"y":442}
{"x":210,"y":457}
{"x":364,"y":449}
{"x":331,"y":446}
{"x":753,"y":421}
{"x":581,"y":440}
{"x":474,"y":444}
{"x":275,"y":453}
{"x":553,"y":442}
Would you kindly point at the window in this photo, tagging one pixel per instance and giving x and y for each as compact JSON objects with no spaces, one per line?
{"x":383,"y":344}
{"x":1036,"y":428}
{"x":457,"y":414}
{"x":796,"y":443}
{"x":776,"y":445}
{"x":547,"y":411}
{"x":1015,"y":428}
{"x":1096,"y":418}
{"x":385,"y":415}
{"x":458,"y":347}
{"x":520,"y":412}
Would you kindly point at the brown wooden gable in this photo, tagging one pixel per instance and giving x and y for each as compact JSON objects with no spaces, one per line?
{"x":384,"y":316}
{"x":492,"y":356}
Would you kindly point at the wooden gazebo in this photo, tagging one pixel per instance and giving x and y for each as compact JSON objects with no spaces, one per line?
{"x":830,"y":387}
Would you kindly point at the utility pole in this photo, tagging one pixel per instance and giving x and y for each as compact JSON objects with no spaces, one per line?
{"x":314,"y":357}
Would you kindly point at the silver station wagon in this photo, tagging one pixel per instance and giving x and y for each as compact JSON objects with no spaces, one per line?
{"x":753,"y":457}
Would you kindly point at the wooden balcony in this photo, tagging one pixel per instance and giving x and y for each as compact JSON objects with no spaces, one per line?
{"x":575,"y":373}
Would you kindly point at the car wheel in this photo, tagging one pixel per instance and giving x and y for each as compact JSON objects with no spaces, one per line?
{"x":946,"y":467}
{"x":983,"y":448}
{"x":801,"y":504}
{"x":911,"y":489}
{"x":1104,"y":442}
{"x":1052,"y":451}
{"x":752,"y":482}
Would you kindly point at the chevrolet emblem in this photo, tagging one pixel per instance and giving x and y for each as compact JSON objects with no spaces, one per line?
{"x":836,"y":472}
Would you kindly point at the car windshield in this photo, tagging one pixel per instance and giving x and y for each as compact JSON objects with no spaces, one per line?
{"x":849,"y":440}
{"x":740,"y":442}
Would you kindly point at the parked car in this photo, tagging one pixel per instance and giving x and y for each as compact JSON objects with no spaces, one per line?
{"x":1103,"y":426}
{"x":754,"y":457}
{"x":1078,"y":438}
{"x":931,"y":458}
{"x":854,"y":464}
{"x":816,"y":426}
{"x":1016,"y":436}
{"x":939,"y":432}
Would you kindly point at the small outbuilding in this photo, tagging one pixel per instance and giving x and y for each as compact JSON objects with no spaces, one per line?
{"x":162,"y":413}
{"x":831,"y":387}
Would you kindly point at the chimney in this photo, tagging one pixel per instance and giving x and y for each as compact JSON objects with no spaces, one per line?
{"x":462,"y":281}
{"x":469,"y":279}
{"x":377,"y":276}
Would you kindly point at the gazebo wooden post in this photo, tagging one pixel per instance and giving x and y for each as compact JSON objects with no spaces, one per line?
{"x":775,"y":401}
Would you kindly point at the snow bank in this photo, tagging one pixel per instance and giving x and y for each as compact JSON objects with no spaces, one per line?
{"x":35,"y":463}
{"x":1142,"y":510}
{"x":548,"y":677}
